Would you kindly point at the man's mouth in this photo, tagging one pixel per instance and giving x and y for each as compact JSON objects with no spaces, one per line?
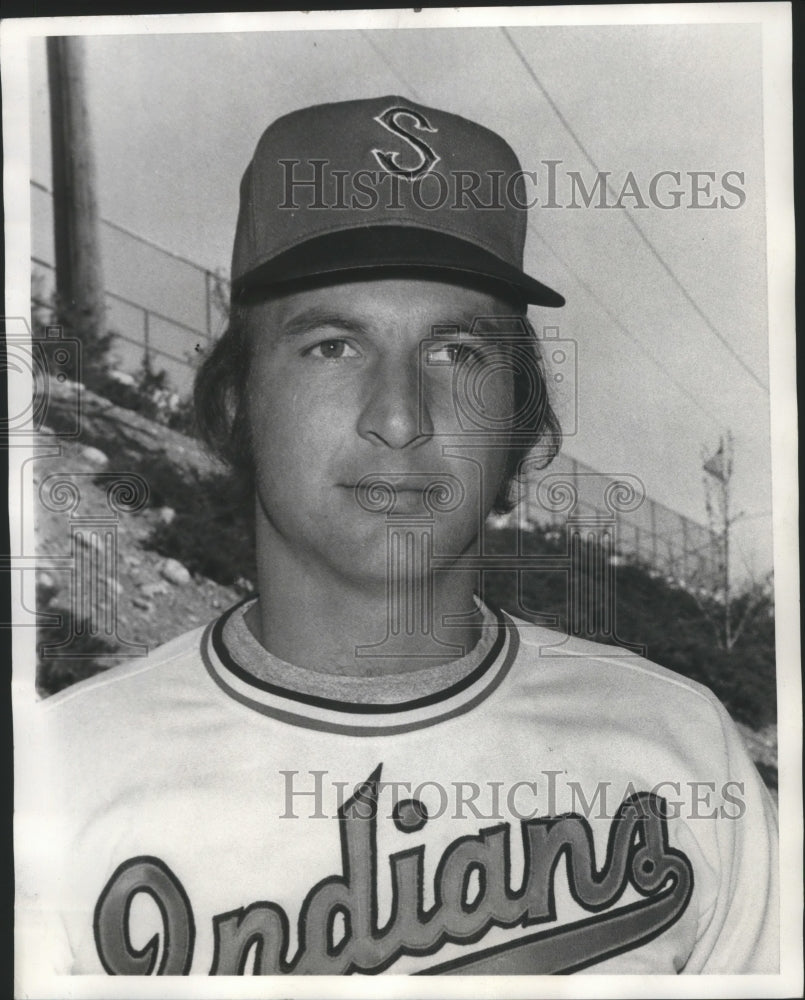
{"x":379,"y":492}
{"x":385,"y":494}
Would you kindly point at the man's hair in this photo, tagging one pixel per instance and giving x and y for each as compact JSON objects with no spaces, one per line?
{"x":222,"y":413}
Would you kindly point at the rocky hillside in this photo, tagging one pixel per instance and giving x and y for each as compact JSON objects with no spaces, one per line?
{"x":146,"y":595}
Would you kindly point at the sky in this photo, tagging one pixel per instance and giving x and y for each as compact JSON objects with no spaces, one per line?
{"x":666,"y":307}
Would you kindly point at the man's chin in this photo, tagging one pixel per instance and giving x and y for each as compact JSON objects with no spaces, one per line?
{"x":399,"y":552}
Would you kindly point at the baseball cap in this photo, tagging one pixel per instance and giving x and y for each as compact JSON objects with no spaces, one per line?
{"x":383,"y":183}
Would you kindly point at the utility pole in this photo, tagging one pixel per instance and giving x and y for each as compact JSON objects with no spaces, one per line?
{"x":730,"y":621}
{"x":718,"y":473}
{"x":79,"y":275}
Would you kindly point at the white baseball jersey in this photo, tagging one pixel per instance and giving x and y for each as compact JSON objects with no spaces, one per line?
{"x":541,"y":805}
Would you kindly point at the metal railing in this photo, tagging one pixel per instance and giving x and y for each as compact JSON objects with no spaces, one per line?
{"x":147,"y":316}
{"x":157,"y":300}
{"x":671,"y":544}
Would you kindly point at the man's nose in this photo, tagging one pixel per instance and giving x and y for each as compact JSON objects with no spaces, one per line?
{"x":396,"y":412}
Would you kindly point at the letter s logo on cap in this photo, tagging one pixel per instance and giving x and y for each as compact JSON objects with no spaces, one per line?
{"x":390,"y":119}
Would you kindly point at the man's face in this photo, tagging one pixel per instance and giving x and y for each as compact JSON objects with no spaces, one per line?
{"x":359,"y":384}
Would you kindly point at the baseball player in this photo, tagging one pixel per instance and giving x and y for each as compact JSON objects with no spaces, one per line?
{"x":365,"y":768}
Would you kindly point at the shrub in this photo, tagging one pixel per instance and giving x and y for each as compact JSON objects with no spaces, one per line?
{"x":212,"y":533}
{"x":89,"y":654}
{"x":653,"y":613}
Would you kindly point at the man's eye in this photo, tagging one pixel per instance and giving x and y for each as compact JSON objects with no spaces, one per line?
{"x":451,"y":353}
{"x":332,"y":350}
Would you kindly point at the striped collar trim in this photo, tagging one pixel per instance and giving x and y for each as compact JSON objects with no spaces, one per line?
{"x":358,"y":718}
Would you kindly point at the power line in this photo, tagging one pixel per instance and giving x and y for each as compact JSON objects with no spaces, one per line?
{"x":635,"y":225}
{"x":39,"y":186}
{"x":621,"y":326}
{"x":388,"y":64}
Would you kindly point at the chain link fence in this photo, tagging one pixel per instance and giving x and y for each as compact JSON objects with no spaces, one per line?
{"x":647,"y":532}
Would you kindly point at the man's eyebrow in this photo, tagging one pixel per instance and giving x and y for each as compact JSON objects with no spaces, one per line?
{"x":463,"y":321}
{"x":315,"y":317}
{"x":481,"y":324}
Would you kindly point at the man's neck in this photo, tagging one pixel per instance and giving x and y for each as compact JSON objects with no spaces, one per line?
{"x":312,"y":616}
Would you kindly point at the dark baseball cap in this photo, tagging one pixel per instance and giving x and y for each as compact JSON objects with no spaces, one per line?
{"x":364,"y":186}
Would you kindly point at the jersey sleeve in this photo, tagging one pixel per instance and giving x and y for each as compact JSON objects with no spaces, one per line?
{"x":42,"y":946}
{"x":740,"y":931}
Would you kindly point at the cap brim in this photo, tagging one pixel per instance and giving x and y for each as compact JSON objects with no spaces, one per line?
{"x":368,"y":249}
